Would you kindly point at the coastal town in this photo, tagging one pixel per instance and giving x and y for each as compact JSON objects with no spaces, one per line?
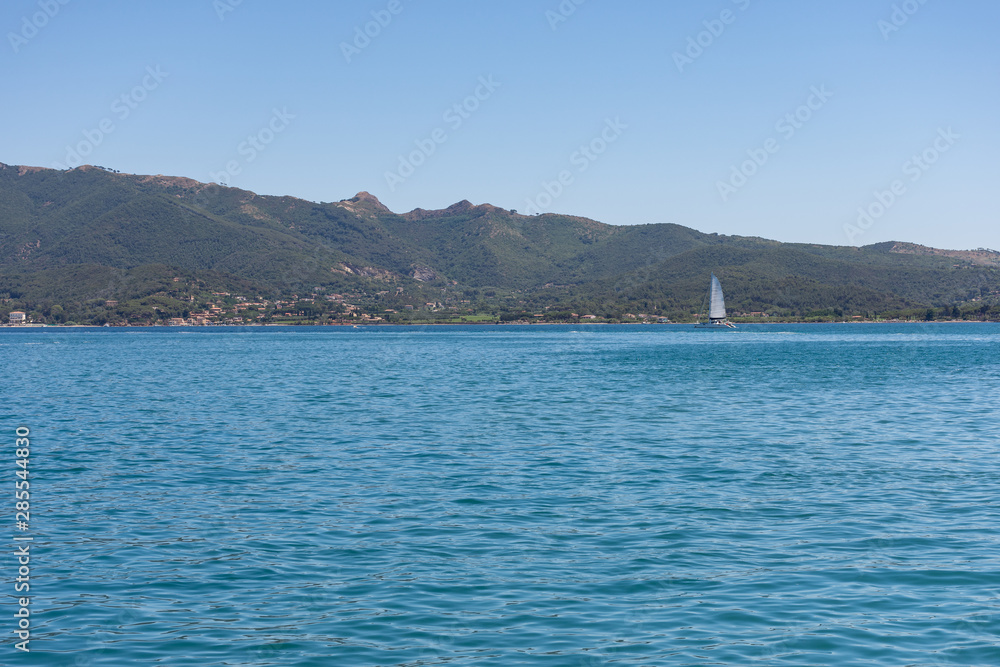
{"x":183,"y":306}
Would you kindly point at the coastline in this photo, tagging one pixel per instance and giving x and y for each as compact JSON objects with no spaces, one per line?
{"x":358,"y":325}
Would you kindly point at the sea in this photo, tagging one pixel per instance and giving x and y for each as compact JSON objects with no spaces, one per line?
{"x":811,"y":494}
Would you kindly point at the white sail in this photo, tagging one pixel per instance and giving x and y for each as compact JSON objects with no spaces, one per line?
{"x":717,"y":309}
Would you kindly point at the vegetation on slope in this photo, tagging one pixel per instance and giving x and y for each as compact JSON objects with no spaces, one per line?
{"x":71,"y":241}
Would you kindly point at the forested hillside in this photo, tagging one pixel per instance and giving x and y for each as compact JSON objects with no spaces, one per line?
{"x":155,"y":247}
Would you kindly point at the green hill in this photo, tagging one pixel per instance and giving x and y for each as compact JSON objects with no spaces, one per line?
{"x":71,"y":241}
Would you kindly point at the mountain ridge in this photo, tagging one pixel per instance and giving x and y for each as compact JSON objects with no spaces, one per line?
{"x":464,"y":205}
{"x":55,"y":223}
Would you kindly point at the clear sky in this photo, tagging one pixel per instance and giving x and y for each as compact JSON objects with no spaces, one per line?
{"x":776,"y":118}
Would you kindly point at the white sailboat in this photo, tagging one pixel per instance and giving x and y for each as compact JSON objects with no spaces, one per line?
{"x":716,"y":309}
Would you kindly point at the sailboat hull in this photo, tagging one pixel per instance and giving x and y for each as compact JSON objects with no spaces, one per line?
{"x":715,"y":327}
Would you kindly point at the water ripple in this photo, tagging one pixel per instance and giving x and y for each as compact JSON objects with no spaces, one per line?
{"x":822,"y":494}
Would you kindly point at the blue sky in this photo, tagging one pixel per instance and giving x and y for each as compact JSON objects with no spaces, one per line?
{"x":797,"y":121}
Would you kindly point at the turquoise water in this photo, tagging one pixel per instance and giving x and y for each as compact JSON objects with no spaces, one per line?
{"x":547,"y":495}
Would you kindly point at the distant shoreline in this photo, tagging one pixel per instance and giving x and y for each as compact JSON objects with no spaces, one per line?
{"x":8,"y":327}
